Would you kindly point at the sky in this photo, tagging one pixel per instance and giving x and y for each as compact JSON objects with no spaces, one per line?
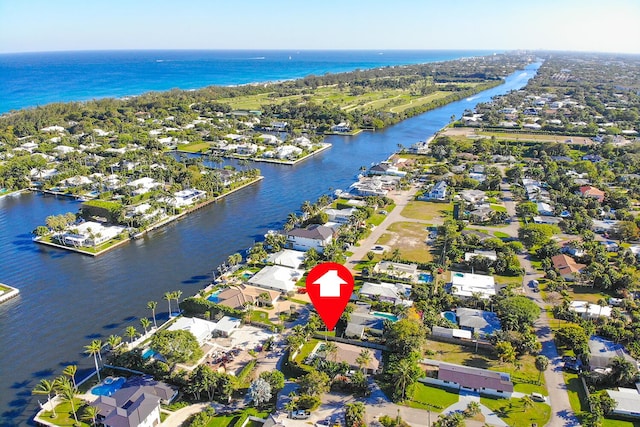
{"x":60,"y":25}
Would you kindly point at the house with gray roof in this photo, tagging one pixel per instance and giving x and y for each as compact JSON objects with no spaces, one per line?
{"x":390,"y":292}
{"x":314,"y":236}
{"x":484,"y":323}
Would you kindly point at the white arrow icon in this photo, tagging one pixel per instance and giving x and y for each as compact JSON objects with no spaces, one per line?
{"x":330,"y":284}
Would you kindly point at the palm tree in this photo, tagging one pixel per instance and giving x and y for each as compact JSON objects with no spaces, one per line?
{"x":473,"y":409}
{"x":70,"y":371}
{"x":131,"y":333}
{"x":90,"y":414}
{"x":527,"y":402}
{"x":176,"y":296}
{"x":145,"y":324}
{"x":68,"y":394}
{"x":93,"y":349}
{"x":168,"y":296}
{"x":48,"y":388}
{"x":151,"y":305}
{"x":623,"y":371}
{"x":542,"y":362}
{"x":363,"y":360}
{"x":331,"y":349}
{"x":113,"y":341}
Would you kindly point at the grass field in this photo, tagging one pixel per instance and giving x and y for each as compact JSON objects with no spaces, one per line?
{"x":389,"y":100}
{"x":426,"y":211}
{"x":64,"y":415}
{"x":194,"y":148}
{"x":409,"y":238}
{"x":430,"y":398}
{"x":512,"y":412}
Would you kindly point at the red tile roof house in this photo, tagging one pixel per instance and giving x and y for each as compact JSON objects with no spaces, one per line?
{"x":593,"y":192}
{"x":467,"y":378}
{"x":566,"y":266}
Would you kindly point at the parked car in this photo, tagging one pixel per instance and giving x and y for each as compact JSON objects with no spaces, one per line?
{"x":537,"y":397}
{"x":300,"y":414}
{"x":574,"y":367}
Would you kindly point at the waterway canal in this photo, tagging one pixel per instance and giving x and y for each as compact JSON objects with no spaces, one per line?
{"x":67,"y":299}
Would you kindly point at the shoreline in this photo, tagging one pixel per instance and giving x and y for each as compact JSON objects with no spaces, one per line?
{"x":155,"y":226}
{"x":12,"y":293}
{"x":325,"y":146}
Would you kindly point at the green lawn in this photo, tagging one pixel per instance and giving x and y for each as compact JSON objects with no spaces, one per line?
{"x":498,"y":208}
{"x":306,"y":350}
{"x":431,"y":398}
{"x":64,"y":415}
{"x":260,"y":316}
{"x":512,"y":412}
{"x":236,"y":419}
{"x":501,"y":235}
{"x":194,"y":148}
{"x":417,"y":209}
{"x":410,"y":239}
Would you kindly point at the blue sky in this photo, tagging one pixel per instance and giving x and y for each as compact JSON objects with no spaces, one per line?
{"x":585,"y":25}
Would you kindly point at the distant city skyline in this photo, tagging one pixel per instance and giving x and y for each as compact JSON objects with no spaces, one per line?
{"x":575,"y":25}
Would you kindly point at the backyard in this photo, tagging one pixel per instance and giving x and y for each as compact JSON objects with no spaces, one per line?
{"x":410,"y":239}
{"x":426,"y":211}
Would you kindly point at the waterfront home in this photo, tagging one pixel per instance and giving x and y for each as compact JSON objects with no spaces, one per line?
{"x":277,"y":277}
{"x":314,"y":236}
{"x":226,"y":326}
{"x":239,"y":297}
{"x":420,"y":147}
{"x":386,"y":168}
{"x":76,"y":181}
{"x":365,"y":186}
{"x":341,"y":127}
{"x":437,"y":192}
{"x":269,"y":139}
{"x":303,"y":142}
{"x":460,"y":377}
{"x":89,"y":233}
{"x":341,"y":216}
{"x":567,"y":267}
{"x":465,"y":285}
{"x":389,"y":292}
{"x":42,"y":174}
{"x":397,"y":270}
{"x":186,"y":197}
{"x":137,"y":403}
{"x":288,"y":152}
{"x":200,"y":328}
{"x":143,"y":185}
{"x":287,"y":258}
{"x":247,"y":149}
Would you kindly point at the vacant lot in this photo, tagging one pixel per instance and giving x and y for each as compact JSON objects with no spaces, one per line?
{"x":426,"y":211}
{"x":410,"y":238}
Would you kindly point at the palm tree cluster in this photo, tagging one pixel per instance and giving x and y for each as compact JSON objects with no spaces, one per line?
{"x":65,"y":388}
{"x":169,"y":296}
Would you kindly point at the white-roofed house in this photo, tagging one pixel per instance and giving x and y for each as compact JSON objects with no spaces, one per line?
{"x":464,"y":285}
{"x":287,"y":258}
{"x":225,"y":326}
{"x":276,"y":277}
{"x":143,"y":185}
{"x":397,"y":270}
{"x":269,"y":139}
{"x":627,"y":402}
{"x":200,"y":328}
{"x":90,"y":233}
{"x":391,"y":292}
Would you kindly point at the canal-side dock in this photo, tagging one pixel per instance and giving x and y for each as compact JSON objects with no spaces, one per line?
{"x":7,"y":292}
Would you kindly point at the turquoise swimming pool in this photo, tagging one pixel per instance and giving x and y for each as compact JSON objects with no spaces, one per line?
{"x":108,"y":386}
{"x":388,"y":316}
{"x":450,"y":316}
{"x":214,"y":296}
{"x":148,"y":353}
{"x":425,"y":277}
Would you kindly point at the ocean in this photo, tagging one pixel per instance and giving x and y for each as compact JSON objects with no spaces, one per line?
{"x":34,"y":79}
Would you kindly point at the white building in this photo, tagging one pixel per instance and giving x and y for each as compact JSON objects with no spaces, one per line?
{"x":464,"y":285}
{"x":287,"y":258}
{"x":589,"y":310}
{"x":143,"y":185}
{"x":437,"y":192}
{"x":200,"y":328}
{"x":390,"y":292}
{"x":186,"y":197}
{"x":627,"y":402}
{"x":276,"y":277}
{"x":314,"y":236}
{"x":90,"y":233}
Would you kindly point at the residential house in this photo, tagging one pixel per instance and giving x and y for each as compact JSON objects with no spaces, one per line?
{"x":385,"y":168}
{"x":341,"y":216}
{"x":482,"y":214}
{"x":368,"y":187}
{"x":143,"y":185}
{"x":602,"y":351}
{"x":483,"y":323}
{"x":90,"y":233}
{"x":551,"y":220}
{"x":468,"y":378}
{"x":437,"y":192}
{"x":474,"y":197}
{"x":186,"y":197}
{"x":420,"y":147}
{"x":589,"y":310}
{"x":239,"y":297}
{"x":314,"y":236}
{"x":544,"y":209}
{"x":567,"y":267}
{"x":492,"y":255}
{"x":592,"y":192}
{"x":269,"y":139}
{"x":287,"y":258}
{"x":464,"y":285}
{"x":226,"y":326}
{"x":128,"y":407}
{"x":397,"y":270}
{"x":389,"y":292}
{"x":200,"y":328}
{"x":627,"y":402}
{"x":439,"y":331}
{"x":277,"y":277}
{"x":602,"y":226}
{"x":350,"y":353}
{"x":288,"y":152}
{"x":341,"y":127}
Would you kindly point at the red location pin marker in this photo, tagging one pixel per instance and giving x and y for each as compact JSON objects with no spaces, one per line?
{"x":330,"y":286}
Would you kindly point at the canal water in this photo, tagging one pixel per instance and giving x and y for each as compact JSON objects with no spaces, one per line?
{"x":67,"y":299}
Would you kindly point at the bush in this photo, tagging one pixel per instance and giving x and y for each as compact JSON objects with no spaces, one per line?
{"x":308,"y":402}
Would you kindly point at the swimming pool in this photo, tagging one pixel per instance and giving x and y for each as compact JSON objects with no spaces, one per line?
{"x":387,"y":316}
{"x":214,"y":296}
{"x":148,"y":353}
{"x":450,"y":316}
{"x":108,"y":386}
{"x":425,"y":277}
